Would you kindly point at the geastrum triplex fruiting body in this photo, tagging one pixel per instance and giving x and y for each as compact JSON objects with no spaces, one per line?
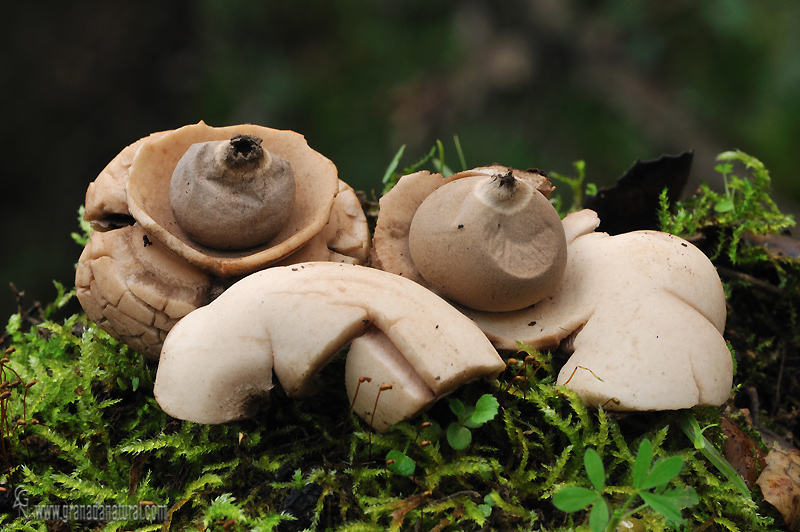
{"x":641,"y":313}
{"x":487,"y":239}
{"x":232,"y":194}
{"x":489,"y":242}
{"x":181,"y":214}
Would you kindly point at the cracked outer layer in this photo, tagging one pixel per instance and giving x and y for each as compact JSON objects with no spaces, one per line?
{"x":135,"y":289}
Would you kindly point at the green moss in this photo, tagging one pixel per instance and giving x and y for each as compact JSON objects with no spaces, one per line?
{"x":745,"y":208}
{"x":743,"y":232}
{"x":100,"y":438}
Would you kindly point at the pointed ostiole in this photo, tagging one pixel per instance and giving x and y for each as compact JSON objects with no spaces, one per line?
{"x":217,"y":362}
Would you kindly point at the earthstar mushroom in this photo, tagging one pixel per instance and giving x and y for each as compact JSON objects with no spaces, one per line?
{"x":644,"y":313}
{"x":489,"y":243}
{"x":466,"y":205}
{"x":316,"y":186}
{"x":232,"y":194}
{"x":130,"y":203}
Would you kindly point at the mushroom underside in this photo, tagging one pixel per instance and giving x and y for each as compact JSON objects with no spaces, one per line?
{"x":666,"y":361}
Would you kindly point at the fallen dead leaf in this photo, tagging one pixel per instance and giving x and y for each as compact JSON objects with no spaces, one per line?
{"x":742,"y":451}
{"x":780,"y":484}
{"x":405,"y":506}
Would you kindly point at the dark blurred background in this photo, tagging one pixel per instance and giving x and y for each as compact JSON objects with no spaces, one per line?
{"x":524,"y":83}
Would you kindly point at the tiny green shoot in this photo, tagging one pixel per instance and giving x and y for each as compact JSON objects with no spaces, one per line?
{"x":725,"y":204}
{"x":86,"y":230}
{"x":438,"y":163}
{"x":469,"y":417}
{"x":437,"y":160}
{"x":460,"y":152}
{"x":577,"y":185}
{"x":692,"y":429}
{"x":387,"y":176}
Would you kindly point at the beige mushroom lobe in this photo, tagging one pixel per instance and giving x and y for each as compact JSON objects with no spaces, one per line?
{"x":232,"y":194}
{"x":373,"y":362}
{"x":644,"y":312}
{"x":293,"y":319}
